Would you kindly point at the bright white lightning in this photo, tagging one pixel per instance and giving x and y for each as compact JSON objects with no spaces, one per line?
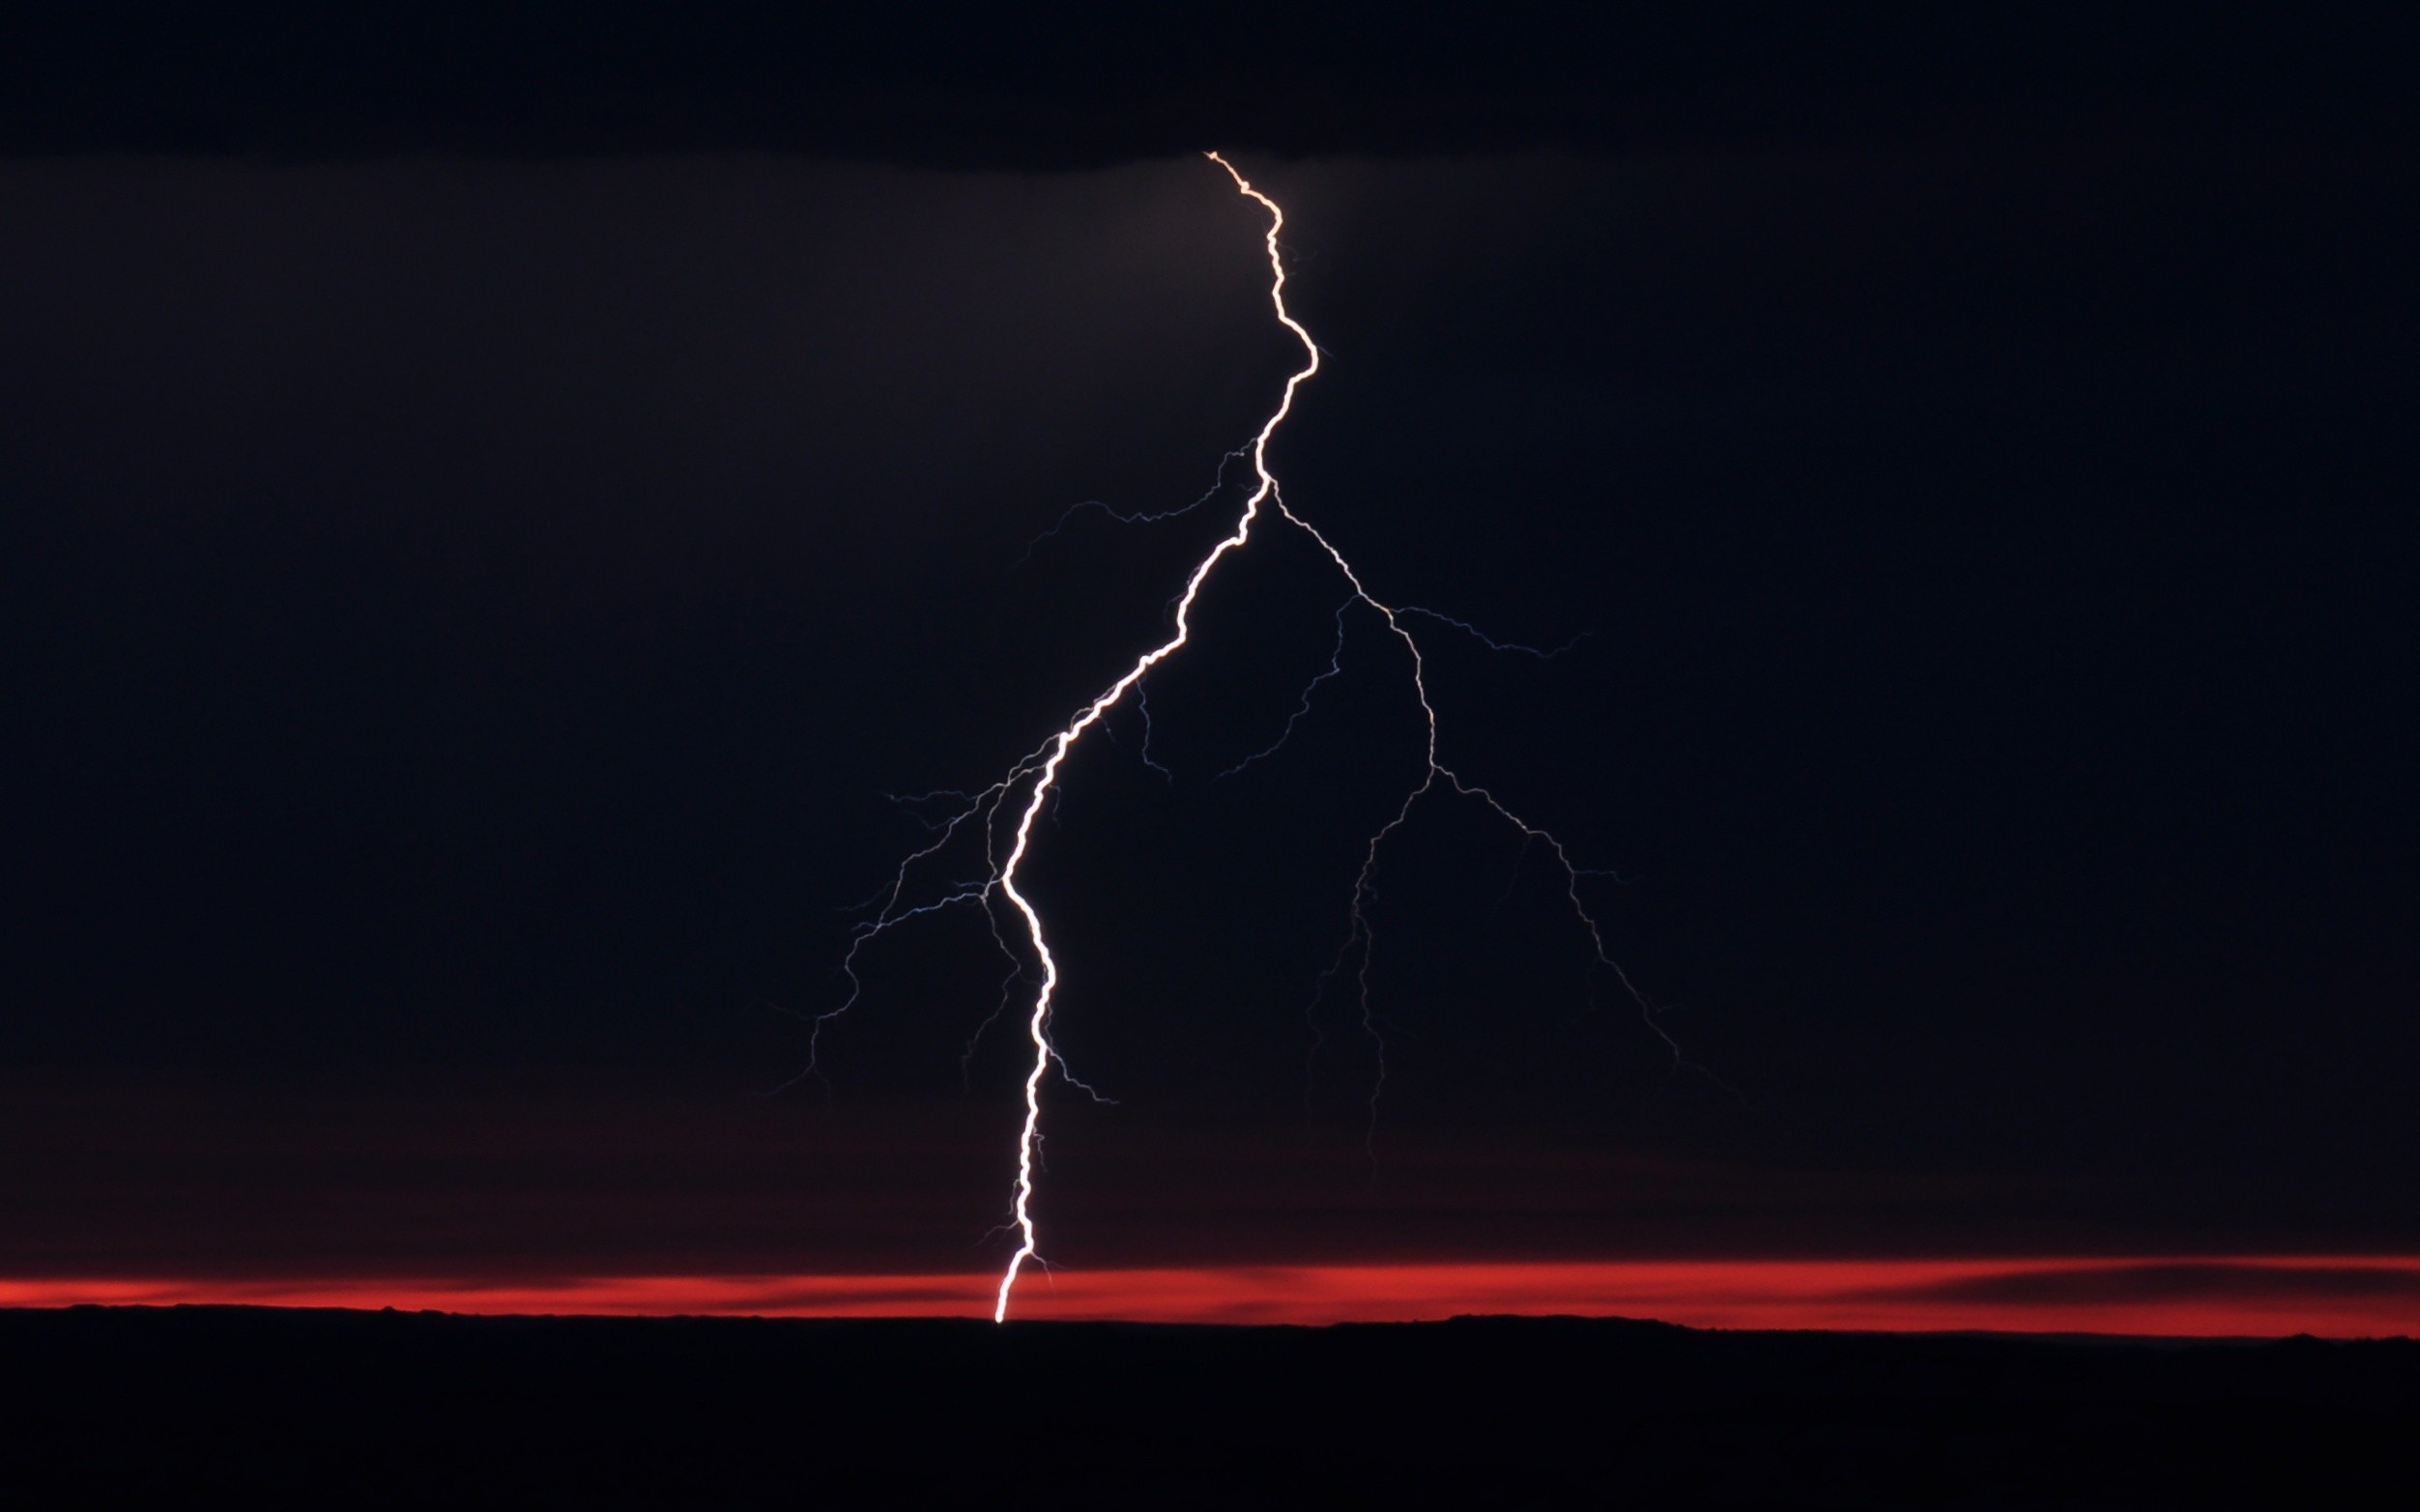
{"x":1039,"y":772}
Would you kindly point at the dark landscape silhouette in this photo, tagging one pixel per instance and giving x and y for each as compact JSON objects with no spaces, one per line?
{"x":339,"y":1407}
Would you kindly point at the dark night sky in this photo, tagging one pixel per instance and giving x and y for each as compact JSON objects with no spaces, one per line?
{"x":490,"y":514}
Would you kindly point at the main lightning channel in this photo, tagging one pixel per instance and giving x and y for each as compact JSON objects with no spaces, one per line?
{"x":1038,"y":1025}
{"x":1041,"y":769}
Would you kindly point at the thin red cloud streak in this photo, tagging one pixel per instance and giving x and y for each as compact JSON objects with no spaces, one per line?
{"x":2330,"y":1296}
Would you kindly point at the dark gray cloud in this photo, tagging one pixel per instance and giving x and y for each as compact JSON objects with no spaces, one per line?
{"x":1068,"y":86}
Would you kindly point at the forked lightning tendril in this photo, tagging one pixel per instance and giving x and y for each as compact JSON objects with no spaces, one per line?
{"x":1031,"y":784}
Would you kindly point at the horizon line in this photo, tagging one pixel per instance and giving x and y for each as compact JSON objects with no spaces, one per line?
{"x":2341,"y":1297}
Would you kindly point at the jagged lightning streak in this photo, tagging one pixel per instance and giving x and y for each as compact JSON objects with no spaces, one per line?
{"x":1038,"y":1025}
{"x":1040,"y":770}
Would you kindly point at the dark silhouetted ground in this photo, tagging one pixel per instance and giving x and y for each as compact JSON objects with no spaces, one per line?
{"x":242,"y":1407}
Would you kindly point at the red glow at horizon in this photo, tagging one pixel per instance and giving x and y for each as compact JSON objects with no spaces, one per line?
{"x":2179,"y":1297}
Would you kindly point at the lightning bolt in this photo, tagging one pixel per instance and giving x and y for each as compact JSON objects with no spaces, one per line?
{"x":1032,"y":783}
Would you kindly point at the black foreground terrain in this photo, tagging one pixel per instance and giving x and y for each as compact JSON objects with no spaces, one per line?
{"x":336,"y":1409}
